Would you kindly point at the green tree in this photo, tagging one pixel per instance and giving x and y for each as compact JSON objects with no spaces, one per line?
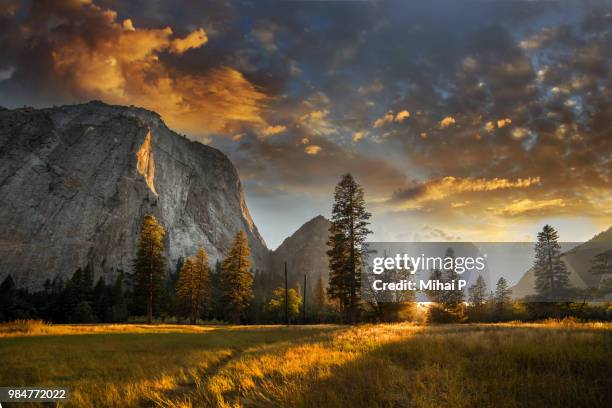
{"x":236,"y":281}
{"x":320,"y":298}
{"x":502,"y":296}
{"x":82,"y":313}
{"x":436,"y":296}
{"x":101,"y":300}
{"x":276,"y":305}
{"x":150,"y":264}
{"x":390,"y":305}
{"x":601,"y":264}
{"x":551,"y":275}
{"x":347,"y":238}
{"x":477,"y":293}
{"x":452,"y":299}
{"x":119,"y":310}
{"x":8,"y":299}
{"x":193,"y":288}
{"x":215,"y":286}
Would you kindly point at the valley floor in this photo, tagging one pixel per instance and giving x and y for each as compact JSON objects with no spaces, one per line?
{"x":395,"y":365}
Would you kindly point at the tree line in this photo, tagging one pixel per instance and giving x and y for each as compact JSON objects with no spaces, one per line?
{"x":554,"y":294}
{"x":232,"y":291}
{"x":229,"y":291}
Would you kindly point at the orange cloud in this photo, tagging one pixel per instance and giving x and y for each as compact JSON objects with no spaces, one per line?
{"x":313,"y":149}
{"x":401,"y":116}
{"x":274,"y":130}
{"x":519,"y":133}
{"x":357,"y":136}
{"x":438,"y":189}
{"x":503,"y":122}
{"x":100,"y":58}
{"x":447,"y":122}
{"x":527,"y":206}
{"x":389,"y":117}
{"x":196,"y":39}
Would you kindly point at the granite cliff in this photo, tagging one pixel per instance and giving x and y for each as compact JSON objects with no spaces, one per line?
{"x":75,"y":182}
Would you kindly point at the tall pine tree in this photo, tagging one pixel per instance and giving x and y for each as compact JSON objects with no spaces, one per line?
{"x":452,"y":299}
{"x":551,"y":275}
{"x":347,"y":238}
{"x":477,"y":293}
{"x":150,"y":264}
{"x":236,"y":281}
{"x":503,"y":294}
{"x":193,"y":288}
{"x":320,"y":298}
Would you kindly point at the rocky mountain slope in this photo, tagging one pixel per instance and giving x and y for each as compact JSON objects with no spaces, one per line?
{"x":578,"y":262}
{"x":304,"y":252}
{"x":75,"y":182}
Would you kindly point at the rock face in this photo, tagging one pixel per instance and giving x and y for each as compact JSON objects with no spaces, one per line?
{"x":304,"y":252}
{"x":76,"y":181}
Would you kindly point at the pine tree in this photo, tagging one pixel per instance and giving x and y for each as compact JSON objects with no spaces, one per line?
{"x":451,"y":299}
{"x":150,"y":264}
{"x":552,"y":277}
{"x":347,"y":238}
{"x":236,"y":280}
{"x":601,"y":264}
{"x":320,"y":297}
{"x":119,"y":310}
{"x":436,"y":296}
{"x":215,"y":287}
{"x":502,"y":294}
{"x":193,"y":288}
{"x":338,"y":285}
{"x":8,"y":299}
{"x":478,"y":293}
{"x":101,"y":300}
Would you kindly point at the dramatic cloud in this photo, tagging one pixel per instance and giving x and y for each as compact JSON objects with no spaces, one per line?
{"x":527,"y":206}
{"x":476,"y":97}
{"x":439,"y":189}
{"x":194,"y":40}
{"x":83,"y":52}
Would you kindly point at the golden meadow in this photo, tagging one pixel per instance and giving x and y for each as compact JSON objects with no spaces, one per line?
{"x":555,"y":363}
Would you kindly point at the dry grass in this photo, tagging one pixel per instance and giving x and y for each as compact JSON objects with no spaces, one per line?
{"x":401,"y":365}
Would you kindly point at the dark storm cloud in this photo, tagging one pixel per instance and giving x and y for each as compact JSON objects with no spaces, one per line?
{"x":314,"y":170}
{"x":489,"y":92}
{"x":65,"y":51}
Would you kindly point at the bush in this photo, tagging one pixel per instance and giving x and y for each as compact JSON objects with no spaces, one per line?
{"x":82,"y":313}
{"x":437,"y":314}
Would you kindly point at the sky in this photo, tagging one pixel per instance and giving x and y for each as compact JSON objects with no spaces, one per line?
{"x":462,"y":120}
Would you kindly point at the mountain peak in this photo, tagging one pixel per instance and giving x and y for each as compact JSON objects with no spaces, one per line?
{"x":304,"y":251}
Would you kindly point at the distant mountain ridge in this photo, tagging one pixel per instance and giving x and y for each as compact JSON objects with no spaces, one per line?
{"x":305,"y":253}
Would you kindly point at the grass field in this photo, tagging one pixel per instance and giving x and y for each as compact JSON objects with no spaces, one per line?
{"x":402,"y":365}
